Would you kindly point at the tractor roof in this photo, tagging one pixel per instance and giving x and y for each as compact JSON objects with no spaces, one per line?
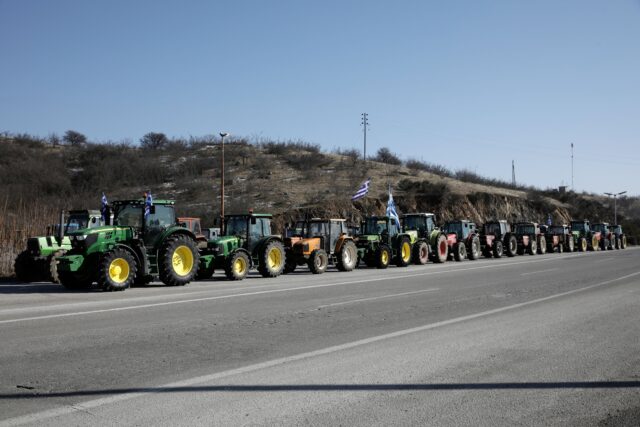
{"x":495,"y":221}
{"x":247,"y":215}
{"x":526,"y":223}
{"x":459,"y":221}
{"x":579,"y":221}
{"x":424,"y":214}
{"x":327,"y":219}
{"x":142,"y":202}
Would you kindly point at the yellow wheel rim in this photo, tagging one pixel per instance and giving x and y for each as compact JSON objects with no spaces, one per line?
{"x":584,"y":245}
{"x":274,"y":258}
{"x":182,"y":260}
{"x":119,"y":270}
{"x":239,"y":266}
{"x":384,"y":257}
{"x":406,"y":251}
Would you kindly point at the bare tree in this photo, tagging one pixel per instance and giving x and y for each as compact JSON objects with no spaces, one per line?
{"x":154,"y":140}
{"x":74,"y":138}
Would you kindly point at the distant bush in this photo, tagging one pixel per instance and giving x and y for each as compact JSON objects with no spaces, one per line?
{"x":384,"y":155}
{"x":429,"y":167}
{"x":288,"y":147}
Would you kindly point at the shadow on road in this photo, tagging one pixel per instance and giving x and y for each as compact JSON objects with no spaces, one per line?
{"x":330,"y":387}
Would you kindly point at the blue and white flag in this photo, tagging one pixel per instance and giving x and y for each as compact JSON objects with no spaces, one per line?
{"x":103,"y":207}
{"x":147,"y":204}
{"x":362,"y":191}
{"x":391,"y":209}
{"x":549,"y":221}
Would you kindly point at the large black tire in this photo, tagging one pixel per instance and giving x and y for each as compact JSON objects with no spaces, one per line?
{"x":533,"y":246}
{"x":74,"y":281}
{"x":594,"y":244}
{"x":498,"y":250}
{"x":53,"y":266}
{"x":179,"y":260}
{"x":237,"y":265}
{"x":441,"y":252}
{"x":623,"y":240}
{"x":542,"y":245}
{"x":117,"y":270}
{"x":272,"y":259}
{"x":582,"y":244}
{"x":512,"y":246}
{"x":290,"y":263}
{"x":560,"y":248}
{"x":347,"y":258}
{"x":460,"y":251}
{"x":383,"y":256}
{"x":571,"y":245}
{"x":420,"y":252}
{"x":25,"y":267}
{"x":403,"y":252}
{"x":474,"y":248}
{"x":318,"y":261}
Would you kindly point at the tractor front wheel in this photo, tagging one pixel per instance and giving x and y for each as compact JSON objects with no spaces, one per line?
{"x":571,"y":245}
{"x":512,"y":246}
{"x":403,"y":252}
{"x":474,"y":248}
{"x":460,"y":251}
{"x":237,"y":266}
{"x":582,"y":244}
{"x":25,"y":267}
{"x":542,"y":245}
{"x":318,"y":261}
{"x":117,"y":270}
{"x":53,"y":266}
{"x":179,"y":260}
{"x":347,"y":258}
{"x":498,"y":250}
{"x":383,"y":256}
{"x":442,"y":249}
{"x":420,"y":252}
{"x":533,"y":246}
{"x":272,"y":259}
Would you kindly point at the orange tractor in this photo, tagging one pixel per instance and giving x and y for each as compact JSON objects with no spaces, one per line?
{"x":318,"y":243}
{"x":193,"y":224}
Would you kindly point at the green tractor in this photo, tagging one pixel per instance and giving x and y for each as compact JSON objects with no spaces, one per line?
{"x":381,"y":242}
{"x":38,"y":262}
{"x":247,"y":242}
{"x":431,"y":243}
{"x":144,"y":242}
{"x":584,"y":238}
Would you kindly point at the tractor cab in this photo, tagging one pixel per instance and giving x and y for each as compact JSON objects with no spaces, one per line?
{"x":297,"y":230}
{"x":193,"y":225}
{"x":160,"y":217}
{"x":602,"y":227}
{"x":616,"y":229}
{"x":558,"y":230}
{"x":423,"y":223}
{"x":327,"y":230}
{"x":461,"y":229}
{"x":581,"y":227}
{"x":526,"y":228}
{"x":382,"y":226}
{"x":496,"y":228}
{"x":250,"y":229}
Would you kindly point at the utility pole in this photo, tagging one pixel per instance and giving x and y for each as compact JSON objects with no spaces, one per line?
{"x":615,"y":205}
{"x":513,"y":173}
{"x":365,"y":125}
{"x":222,"y":135}
{"x":572,"y":189}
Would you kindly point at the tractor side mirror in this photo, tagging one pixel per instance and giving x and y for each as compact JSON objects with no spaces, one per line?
{"x":253,"y":220}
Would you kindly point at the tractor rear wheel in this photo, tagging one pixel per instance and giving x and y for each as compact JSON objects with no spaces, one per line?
{"x":498,"y":250}
{"x":236,"y":266}
{"x":594,"y":243}
{"x":318,"y":261}
{"x":179,"y":260}
{"x":25,"y":267}
{"x":460,"y":252}
{"x":403,"y":252}
{"x":117,"y":270}
{"x":420,"y":252}
{"x":623,"y":242}
{"x":582,"y":244}
{"x":442,"y":249}
{"x":533,"y":247}
{"x":53,"y":266}
{"x":474,"y":248}
{"x":347,"y":258}
{"x":571,"y":245}
{"x":272,"y":259}
{"x":560,"y":248}
{"x":383,"y":256}
{"x":542,"y":245}
{"x":512,"y":246}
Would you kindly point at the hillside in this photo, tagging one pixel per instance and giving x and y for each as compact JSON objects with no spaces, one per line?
{"x":288,"y":179}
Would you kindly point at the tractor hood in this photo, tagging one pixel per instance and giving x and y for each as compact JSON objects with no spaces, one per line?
{"x":368,"y":238}
{"x":224,"y":244}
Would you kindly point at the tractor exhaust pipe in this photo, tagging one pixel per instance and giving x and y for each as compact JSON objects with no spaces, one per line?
{"x":61,"y":228}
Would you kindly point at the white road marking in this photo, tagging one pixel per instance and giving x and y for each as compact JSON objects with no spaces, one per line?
{"x":539,"y":271}
{"x":38,"y":417}
{"x":353,"y":301}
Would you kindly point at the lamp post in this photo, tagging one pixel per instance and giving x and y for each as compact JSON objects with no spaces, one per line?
{"x":615,"y":205}
{"x":223,"y":135}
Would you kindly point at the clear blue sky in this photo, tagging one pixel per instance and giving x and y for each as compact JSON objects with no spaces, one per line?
{"x":468,"y":84}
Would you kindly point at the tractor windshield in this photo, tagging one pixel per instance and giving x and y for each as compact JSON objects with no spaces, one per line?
{"x":375,"y":226}
{"x":453,"y":227}
{"x":236,"y":226}
{"x":76,"y":222}
{"x":492,"y":228}
{"x":318,"y":229}
{"x":525,"y":229}
{"x":579,"y":226}
{"x":600,"y":227}
{"x":128,"y":216}
{"x":415,"y":222}
{"x":556,"y":229}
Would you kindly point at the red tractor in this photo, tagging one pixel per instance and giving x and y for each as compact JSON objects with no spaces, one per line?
{"x":607,"y":235}
{"x":496,"y":239}
{"x":462,"y":239}
{"x":529,"y":238}
{"x":559,"y":238}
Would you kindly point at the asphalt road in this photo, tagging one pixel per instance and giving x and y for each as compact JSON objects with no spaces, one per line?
{"x":530,"y":340}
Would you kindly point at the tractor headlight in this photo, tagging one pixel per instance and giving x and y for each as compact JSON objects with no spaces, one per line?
{"x":79,"y":238}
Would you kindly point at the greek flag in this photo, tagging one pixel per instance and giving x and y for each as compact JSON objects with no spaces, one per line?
{"x":391,"y":209}
{"x":147,"y":204}
{"x":103,"y":207}
{"x":364,"y":189}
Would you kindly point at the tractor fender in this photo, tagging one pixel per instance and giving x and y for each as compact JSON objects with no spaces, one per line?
{"x":173,"y":231}
{"x":341,"y":241}
{"x":138,"y":256}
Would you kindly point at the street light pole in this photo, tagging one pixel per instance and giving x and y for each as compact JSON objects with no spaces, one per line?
{"x":222,"y":135}
{"x":615,"y":205}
